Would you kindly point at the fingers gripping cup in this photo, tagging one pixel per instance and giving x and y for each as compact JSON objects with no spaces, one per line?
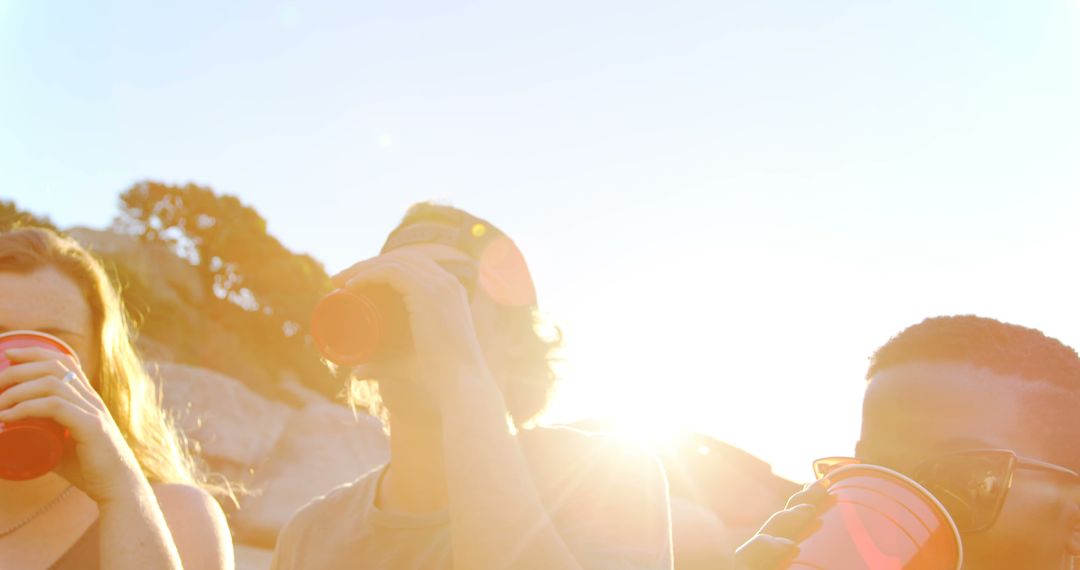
{"x":878,"y":519}
{"x":32,"y":447}
{"x":352,"y":327}
{"x":357,"y":325}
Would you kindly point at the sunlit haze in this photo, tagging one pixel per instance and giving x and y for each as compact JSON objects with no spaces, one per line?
{"x":727,"y":206}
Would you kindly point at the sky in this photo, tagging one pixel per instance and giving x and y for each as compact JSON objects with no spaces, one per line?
{"x":727,"y":206}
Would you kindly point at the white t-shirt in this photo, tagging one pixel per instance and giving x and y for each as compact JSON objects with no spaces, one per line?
{"x":607,"y":499}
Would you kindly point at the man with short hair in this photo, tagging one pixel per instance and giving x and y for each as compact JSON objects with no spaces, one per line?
{"x":465,"y":489}
{"x":984,"y":414}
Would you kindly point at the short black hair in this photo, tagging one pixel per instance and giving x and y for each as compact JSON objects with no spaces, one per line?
{"x":987,"y":343}
{"x":1051,"y":368}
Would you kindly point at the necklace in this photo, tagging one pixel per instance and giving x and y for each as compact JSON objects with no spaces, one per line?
{"x":37,"y":513}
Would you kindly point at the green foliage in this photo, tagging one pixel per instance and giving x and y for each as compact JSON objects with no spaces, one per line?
{"x":12,"y":217}
{"x":258,"y":293}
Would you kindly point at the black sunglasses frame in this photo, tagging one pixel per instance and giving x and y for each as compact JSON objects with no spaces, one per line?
{"x":825,"y":465}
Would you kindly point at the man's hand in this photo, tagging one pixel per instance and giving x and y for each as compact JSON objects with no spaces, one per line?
{"x":775,"y":542}
{"x":440,"y":318}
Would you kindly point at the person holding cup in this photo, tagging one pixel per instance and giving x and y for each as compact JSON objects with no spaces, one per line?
{"x":122,"y":494}
{"x":470,"y":484}
{"x":983,"y":415}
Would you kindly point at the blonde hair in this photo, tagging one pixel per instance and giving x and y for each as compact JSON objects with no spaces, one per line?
{"x":121,"y":381}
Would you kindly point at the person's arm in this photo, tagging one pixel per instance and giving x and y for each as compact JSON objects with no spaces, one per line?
{"x":134,"y":533}
{"x":622,"y":521}
{"x":164,"y":526}
{"x":496,"y":513}
{"x":197,"y":525}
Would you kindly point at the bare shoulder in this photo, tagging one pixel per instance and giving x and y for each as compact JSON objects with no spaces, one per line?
{"x":187,"y":504}
{"x":197,"y":524}
{"x":184,"y":498}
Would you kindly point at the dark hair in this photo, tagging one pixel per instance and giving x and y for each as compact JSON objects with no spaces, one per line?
{"x":529,"y":375}
{"x":1051,"y":369}
{"x":987,"y":343}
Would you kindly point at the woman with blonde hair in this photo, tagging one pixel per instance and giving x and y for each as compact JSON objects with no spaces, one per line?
{"x":125,"y":494}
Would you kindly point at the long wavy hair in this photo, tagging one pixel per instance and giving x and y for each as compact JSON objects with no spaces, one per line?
{"x":121,"y":381}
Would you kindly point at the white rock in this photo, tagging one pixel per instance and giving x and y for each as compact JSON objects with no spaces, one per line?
{"x":251,"y":558}
{"x":321,"y":447}
{"x":229,"y":421}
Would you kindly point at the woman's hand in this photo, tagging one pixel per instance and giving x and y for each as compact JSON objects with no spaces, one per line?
{"x":34,"y":386}
{"x":440,"y":317}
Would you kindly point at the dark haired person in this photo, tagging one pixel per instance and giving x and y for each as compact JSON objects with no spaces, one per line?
{"x":464,"y":487}
{"x":987,"y":416}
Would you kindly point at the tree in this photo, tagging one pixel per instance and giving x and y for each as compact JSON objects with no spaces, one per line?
{"x":256,"y":288}
{"x":12,"y":217}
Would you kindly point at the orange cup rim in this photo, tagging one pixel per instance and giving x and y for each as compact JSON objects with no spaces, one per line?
{"x":67,"y":347}
{"x":342,"y":358}
{"x":839,"y":473}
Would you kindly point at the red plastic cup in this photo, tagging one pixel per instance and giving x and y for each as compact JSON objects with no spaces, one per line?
{"x":352,"y":328}
{"x":878,"y":519}
{"x":32,"y":447}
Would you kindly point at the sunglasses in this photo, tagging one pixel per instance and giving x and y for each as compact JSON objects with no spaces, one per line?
{"x":972,"y":485}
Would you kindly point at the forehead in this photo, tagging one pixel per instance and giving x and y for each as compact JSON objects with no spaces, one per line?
{"x":929,"y":407}
{"x":44,"y":299}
